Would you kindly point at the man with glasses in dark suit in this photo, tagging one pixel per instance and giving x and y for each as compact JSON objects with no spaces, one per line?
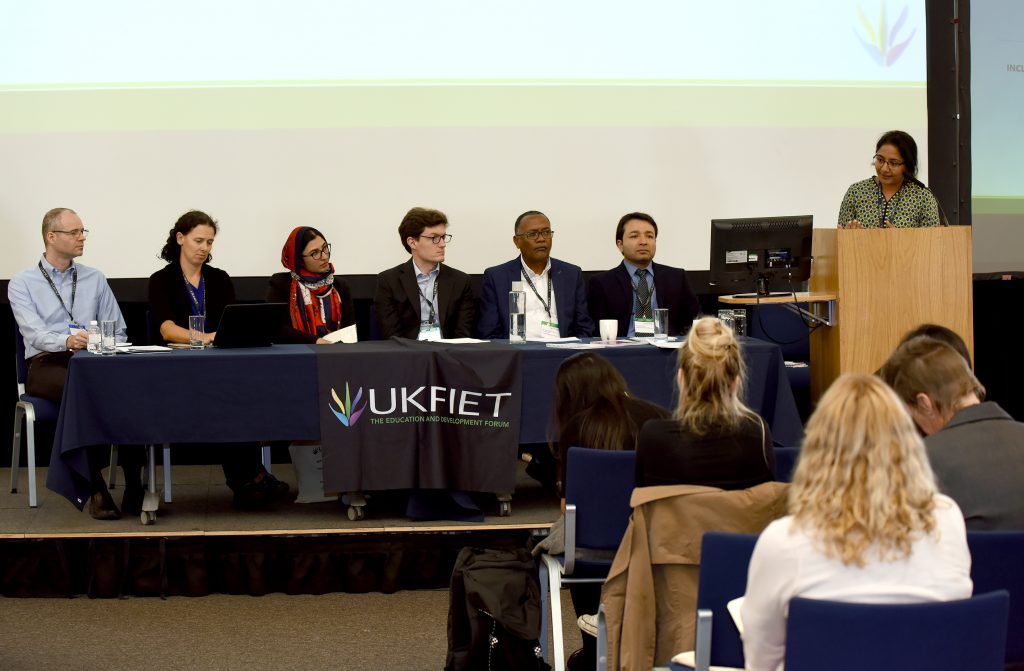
{"x":422,"y":298}
{"x":556,"y":298}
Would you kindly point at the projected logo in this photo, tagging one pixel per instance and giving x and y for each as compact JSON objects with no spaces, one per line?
{"x":347,"y":412}
{"x":883,"y":43}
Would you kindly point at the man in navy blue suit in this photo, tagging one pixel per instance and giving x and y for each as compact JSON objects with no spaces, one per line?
{"x":636,"y":287}
{"x":556,"y":298}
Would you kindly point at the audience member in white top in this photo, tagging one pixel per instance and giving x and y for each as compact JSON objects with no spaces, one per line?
{"x":866,"y":522}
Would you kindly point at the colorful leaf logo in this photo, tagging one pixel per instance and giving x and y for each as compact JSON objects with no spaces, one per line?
{"x":348,"y":414}
{"x":882,"y":43}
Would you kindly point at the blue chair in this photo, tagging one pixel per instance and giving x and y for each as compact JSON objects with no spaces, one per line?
{"x":724,"y":559}
{"x":598,"y":486}
{"x":32,"y":409}
{"x":780,"y":325}
{"x":967,"y":635}
{"x":997,"y":562}
{"x":785,"y":463}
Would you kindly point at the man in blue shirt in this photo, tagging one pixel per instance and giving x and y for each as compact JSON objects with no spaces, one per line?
{"x":53,"y":303}
{"x":630,"y":292}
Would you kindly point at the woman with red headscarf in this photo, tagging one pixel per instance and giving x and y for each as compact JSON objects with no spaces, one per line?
{"x":319,"y":302}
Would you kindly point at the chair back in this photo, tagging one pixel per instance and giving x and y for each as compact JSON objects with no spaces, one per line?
{"x":785,"y":463}
{"x":724,"y":559}
{"x":600,"y":483}
{"x":778,"y":324}
{"x":968,"y":634}
{"x":997,"y":562}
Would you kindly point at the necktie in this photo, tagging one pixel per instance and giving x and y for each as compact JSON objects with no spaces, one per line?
{"x":643,"y":295}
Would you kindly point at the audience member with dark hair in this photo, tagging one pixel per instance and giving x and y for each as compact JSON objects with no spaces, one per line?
{"x":975,"y":448}
{"x":941,"y":333}
{"x":319,"y":301}
{"x":893,"y":197}
{"x":866,"y":522}
{"x":591,"y":408}
{"x":714,"y":439}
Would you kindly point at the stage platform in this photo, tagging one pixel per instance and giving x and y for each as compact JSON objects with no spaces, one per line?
{"x":201,"y":545}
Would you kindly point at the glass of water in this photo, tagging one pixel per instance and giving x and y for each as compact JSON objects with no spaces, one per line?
{"x":108,"y":336}
{"x":516,"y":316}
{"x":661,"y":324}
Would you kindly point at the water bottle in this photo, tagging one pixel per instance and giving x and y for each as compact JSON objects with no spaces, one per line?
{"x":517,"y":313}
{"x":94,"y":337}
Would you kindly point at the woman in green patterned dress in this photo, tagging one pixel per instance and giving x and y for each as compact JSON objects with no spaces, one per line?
{"x":894,"y":197}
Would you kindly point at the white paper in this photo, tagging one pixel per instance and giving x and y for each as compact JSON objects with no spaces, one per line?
{"x":145,"y":348}
{"x":734,"y":610}
{"x":688,"y":658}
{"x":345,"y":335}
{"x":462,"y":341}
{"x":668,"y":344}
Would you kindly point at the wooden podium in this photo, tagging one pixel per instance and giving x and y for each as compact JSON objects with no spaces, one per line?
{"x":886,"y":282}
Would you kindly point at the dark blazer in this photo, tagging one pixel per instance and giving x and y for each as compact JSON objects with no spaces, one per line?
{"x":978,"y":459}
{"x":168,"y":299}
{"x":279,"y":291}
{"x":397,"y":302}
{"x":570,"y":299}
{"x":610,"y":296}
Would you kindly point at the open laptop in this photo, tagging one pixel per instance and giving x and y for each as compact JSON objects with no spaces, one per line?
{"x":250,"y":324}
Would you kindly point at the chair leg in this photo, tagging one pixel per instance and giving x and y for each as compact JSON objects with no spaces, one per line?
{"x":167,"y":473}
{"x":545,"y":597}
{"x":112,"y":479}
{"x":30,"y":429}
{"x":19,"y":415}
{"x":555,"y":598}
{"x":265,"y":456}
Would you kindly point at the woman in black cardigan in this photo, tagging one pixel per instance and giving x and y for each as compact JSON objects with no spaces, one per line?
{"x":186,"y":286}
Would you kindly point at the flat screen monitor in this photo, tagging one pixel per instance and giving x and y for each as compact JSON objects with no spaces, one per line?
{"x":761,"y":254}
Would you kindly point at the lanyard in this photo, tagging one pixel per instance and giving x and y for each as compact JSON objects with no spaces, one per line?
{"x":885,"y":203}
{"x":546,"y":306}
{"x":430,"y":301}
{"x":198,"y":300}
{"x":74,"y":289}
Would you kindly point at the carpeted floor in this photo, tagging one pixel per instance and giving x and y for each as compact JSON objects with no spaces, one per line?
{"x":404,"y":631}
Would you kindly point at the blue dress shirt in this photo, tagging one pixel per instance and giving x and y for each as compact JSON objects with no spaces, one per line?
{"x":631,"y":269}
{"x":43,"y":322}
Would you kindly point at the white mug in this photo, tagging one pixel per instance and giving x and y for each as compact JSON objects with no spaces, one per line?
{"x":609,"y":330}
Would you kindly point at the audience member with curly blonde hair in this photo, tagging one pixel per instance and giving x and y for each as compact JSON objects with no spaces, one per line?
{"x":713,"y":439}
{"x":974,"y":446}
{"x":866,"y":521}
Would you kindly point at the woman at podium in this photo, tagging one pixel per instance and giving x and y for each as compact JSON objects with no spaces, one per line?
{"x":893,"y":197}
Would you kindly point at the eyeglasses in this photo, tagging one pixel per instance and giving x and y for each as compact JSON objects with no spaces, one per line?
{"x":77,"y":233}
{"x":880,"y":160}
{"x":318,"y":254}
{"x":438,"y":239}
{"x":543,"y":234}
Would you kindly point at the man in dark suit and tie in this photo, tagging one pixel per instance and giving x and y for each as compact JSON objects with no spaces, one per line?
{"x":636,"y":287}
{"x":556,"y":297}
{"x":422,"y":298}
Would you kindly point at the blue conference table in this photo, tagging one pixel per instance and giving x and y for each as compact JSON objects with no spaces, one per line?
{"x":270,"y":394}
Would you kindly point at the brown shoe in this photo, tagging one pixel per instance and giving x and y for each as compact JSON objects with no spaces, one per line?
{"x":101,"y":506}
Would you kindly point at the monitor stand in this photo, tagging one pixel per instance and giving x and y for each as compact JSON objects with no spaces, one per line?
{"x":770,"y":294}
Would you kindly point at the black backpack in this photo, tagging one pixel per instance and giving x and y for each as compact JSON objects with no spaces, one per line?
{"x":494,"y":612}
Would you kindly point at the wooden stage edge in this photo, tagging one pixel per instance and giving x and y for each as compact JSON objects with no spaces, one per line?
{"x":154,"y":532}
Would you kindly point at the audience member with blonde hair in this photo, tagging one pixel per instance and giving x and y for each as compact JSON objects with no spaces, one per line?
{"x":975,"y":448}
{"x":866,"y":521}
{"x":713,"y":439}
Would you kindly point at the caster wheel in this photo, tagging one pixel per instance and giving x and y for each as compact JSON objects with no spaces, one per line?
{"x":147,"y":517}
{"x":355,"y":513}
{"x":505,"y":508}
